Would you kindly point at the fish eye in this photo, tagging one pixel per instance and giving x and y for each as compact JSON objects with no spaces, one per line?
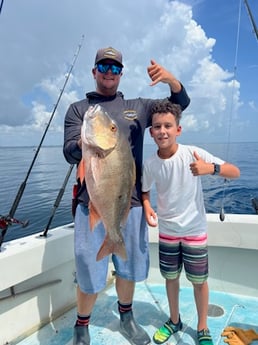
{"x":113,"y":128}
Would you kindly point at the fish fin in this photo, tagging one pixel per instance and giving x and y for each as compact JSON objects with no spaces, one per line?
{"x":119,"y":249}
{"x":125,"y":217}
{"x":124,"y":220}
{"x":81,"y":171}
{"x":93,"y":216}
{"x":109,"y":247}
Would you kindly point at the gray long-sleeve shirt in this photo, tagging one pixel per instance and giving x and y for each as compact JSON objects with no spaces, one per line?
{"x":132,"y":117}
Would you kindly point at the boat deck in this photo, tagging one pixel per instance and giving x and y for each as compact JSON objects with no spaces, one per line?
{"x":151,"y":311}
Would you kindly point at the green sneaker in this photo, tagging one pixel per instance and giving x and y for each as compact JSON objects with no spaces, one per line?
{"x":204,"y":337}
{"x":165,"y":332}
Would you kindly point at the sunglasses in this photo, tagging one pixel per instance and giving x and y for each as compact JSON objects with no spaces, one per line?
{"x":103,"y":68}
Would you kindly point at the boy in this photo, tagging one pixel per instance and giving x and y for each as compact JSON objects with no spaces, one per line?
{"x":175,"y":170}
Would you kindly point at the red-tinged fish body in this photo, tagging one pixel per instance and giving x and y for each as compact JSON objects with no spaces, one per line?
{"x":109,"y":175}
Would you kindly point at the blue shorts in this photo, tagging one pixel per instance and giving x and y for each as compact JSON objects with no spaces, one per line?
{"x":91,"y":275}
{"x":190,"y":251}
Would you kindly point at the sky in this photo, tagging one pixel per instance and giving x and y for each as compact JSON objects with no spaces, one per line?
{"x":209,"y":45}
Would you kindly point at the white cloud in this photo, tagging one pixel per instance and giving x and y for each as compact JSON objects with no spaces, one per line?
{"x":38,"y":53}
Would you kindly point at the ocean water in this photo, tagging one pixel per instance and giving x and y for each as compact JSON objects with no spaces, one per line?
{"x":43,"y":183}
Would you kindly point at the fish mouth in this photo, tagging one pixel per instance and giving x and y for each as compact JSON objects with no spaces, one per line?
{"x":92,"y":111}
{"x":99,"y":131}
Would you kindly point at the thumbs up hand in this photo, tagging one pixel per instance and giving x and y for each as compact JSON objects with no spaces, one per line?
{"x":200,"y":167}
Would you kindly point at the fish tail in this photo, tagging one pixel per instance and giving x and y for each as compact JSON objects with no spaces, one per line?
{"x":109,"y":247}
{"x":119,"y":249}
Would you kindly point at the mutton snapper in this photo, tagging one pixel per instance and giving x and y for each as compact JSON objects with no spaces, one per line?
{"x":109,"y":171}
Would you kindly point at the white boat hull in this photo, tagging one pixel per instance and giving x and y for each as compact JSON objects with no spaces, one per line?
{"x":37,"y":274}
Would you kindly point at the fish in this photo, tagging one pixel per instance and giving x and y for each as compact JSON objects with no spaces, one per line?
{"x":108,"y":167}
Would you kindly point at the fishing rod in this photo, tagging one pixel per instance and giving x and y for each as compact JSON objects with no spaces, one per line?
{"x":252,"y":19}
{"x":58,"y":199}
{"x":1,"y":5}
{"x":23,"y":184}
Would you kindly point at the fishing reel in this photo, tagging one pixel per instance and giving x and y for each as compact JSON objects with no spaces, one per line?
{"x":6,"y":221}
{"x":255,"y":204}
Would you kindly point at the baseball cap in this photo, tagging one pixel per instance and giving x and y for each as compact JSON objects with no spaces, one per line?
{"x":109,"y":53}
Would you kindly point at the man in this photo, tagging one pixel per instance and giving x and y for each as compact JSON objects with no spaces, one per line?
{"x":132,"y":117}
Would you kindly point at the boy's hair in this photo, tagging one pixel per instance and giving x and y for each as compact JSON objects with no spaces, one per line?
{"x":165,"y":106}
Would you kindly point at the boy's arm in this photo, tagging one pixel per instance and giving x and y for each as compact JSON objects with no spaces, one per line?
{"x":150,"y":215}
{"x":226,"y":170}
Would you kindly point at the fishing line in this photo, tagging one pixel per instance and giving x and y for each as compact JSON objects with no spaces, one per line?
{"x":223,"y":275}
{"x":23,"y":184}
{"x":254,"y":200}
{"x":222,"y":213}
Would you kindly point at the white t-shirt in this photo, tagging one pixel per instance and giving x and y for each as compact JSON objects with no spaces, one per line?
{"x":180,"y":204}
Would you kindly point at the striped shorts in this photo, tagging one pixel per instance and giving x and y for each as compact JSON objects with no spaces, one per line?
{"x":190,"y":252}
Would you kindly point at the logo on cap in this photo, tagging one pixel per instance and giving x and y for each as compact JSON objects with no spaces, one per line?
{"x":110,"y":52}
